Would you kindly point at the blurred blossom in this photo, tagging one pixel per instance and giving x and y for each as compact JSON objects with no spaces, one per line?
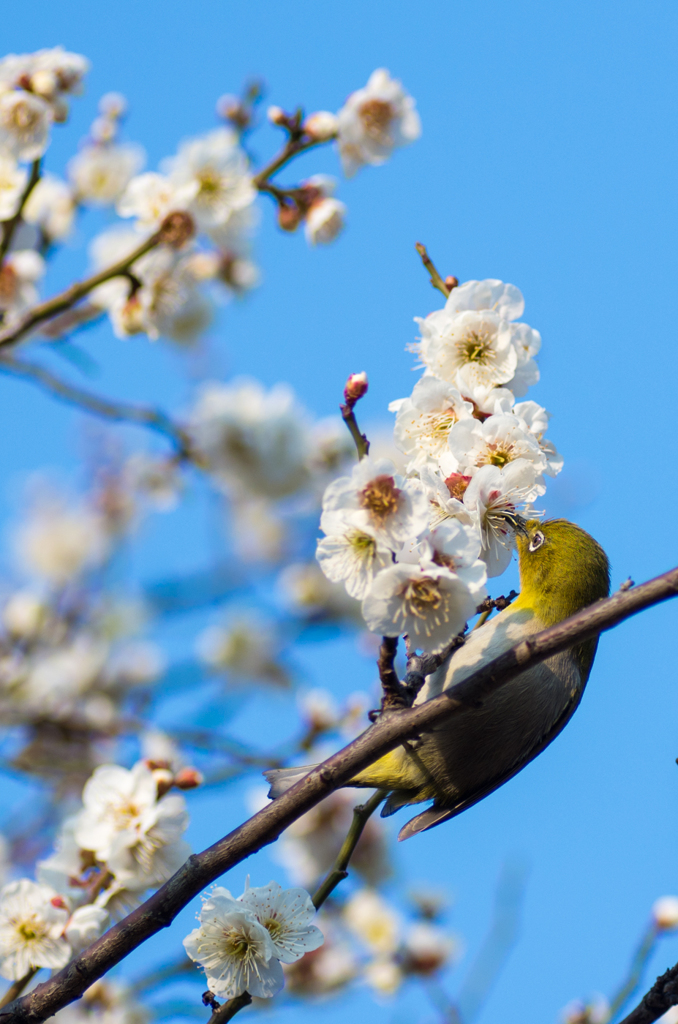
{"x":105,"y":1002}
{"x":24,"y":614}
{"x":307,"y":591}
{"x":247,"y":648}
{"x":665,"y":912}
{"x":20,"y":272}
{"x":374,"y":120}
{"x":51,"y":207}
{"x":252,"y":438}
{"x":12,"y":183}
{"x":212,"y":169}
{"x":135,"y":663}
{"x":373,"y":921}
{"x":158,"y":481}
{"x":426,"y":949}
{"x":100,"y":173}
{"x":596,"y":1011}
{"x":324,"y":970}
{"x":324,"y":221}
{"x":258,"y":532}
{"x":384,"y":976}
{"x":58,"y":541}
{"x":25,"y":121}
{"x":308,"y":848}
{"x":319,"y":709}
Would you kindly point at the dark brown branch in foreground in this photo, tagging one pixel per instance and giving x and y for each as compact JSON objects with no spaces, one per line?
{"x":264,"y":827}
{"x":661,"y":997}
{"x":141,"y":415}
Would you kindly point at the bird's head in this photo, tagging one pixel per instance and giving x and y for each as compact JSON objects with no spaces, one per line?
{"x":562,"y":568}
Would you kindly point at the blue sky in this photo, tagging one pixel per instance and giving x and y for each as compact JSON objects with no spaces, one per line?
{"x":547,"y":159}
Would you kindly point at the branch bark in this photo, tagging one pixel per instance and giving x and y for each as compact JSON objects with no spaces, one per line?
{"x":654,"y":1004}
{"x":263,"y":828}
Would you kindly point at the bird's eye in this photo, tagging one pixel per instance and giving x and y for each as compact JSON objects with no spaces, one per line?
{"x":536,"y":541}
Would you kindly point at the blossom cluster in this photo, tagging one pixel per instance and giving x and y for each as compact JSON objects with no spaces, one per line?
{"x":242,"y":943}
{"x":125,"y":840}
{"x":417,"y":547}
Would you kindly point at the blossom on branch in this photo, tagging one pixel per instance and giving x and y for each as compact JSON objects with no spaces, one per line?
{"x":374,"y":121}
{"x":32,"y":922}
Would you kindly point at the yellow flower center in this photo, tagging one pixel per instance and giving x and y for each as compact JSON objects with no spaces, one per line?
{"x":475,"y":347}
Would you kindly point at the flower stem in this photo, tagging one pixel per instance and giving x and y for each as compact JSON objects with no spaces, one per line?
{"x":10,"y":226}
{"x":361,"y":814}
{"x":638,"y":964}
{"x":436,"y":279}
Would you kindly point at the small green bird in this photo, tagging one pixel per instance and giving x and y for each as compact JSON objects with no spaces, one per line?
{"x":562,"y":569}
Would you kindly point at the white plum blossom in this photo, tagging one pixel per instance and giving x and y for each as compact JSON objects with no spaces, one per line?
{"x":427,"y":601}
{"x":234,"y":949}
{"x":424,"y":420}
{"x":378,"y":502}
{"x":32,"y":921}
{"x":50,"y":72}
{"x":150,"y":197}
{"x":24,"y":614}
{"x":286,"y":915}
{"x":322,"y":125}
{"x":100,"y":173}
{"x":497,"y":441}
{"x":252,"y":438}
{"x":212,"y":170}
{"x":374,"y":120}
{"x":19,"y":274}
{"x":12,"y":183}
{"x":534,"y":419}
{"x":350,"y":554}
{"x":469,"y":349}
{"x":85,"y":925}
{"x":25,"y":121}
{"x":457,"y":546}
{"x":493,"y":493}
{"x":324,"y":221}
{"x":445,"y":495}
{"x":527,"y":343}
{"x":51,"y":207}
{"x":504,"y":299}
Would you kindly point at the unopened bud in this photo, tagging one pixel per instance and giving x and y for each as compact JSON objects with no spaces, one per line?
{"x":289,"y":216}
{"x":164,"y":780}
{"x":324,"y":221}
{"x":451,"y":282}
{"x":188,"y":778}
{"x":322,"y":125}
{"x":58,"y":901}
{"x":277,"y":115}
{"x":665,"y":912}
{"x":356,"y":387}
{"x":176,"y":229}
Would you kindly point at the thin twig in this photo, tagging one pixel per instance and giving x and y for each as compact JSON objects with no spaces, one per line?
{"x":17,"y":987}
{"x":264,"y":827}
{"x":296,"y":144}
{"x":393,"y":695}
{"x":10,"y":226}
{"x":141,"y":415}
{"x":436,"y":279}
{"x":360,"y":440}
{"x":338,"y":872}
{"x":638,"y":965}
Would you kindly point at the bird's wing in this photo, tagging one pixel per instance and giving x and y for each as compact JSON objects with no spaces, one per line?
{"x":440,"y":812}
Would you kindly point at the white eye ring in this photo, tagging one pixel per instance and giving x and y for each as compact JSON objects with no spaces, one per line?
{"x":536,"y":541}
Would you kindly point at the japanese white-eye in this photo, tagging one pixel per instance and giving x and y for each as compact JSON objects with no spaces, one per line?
{"x":562,"y":569}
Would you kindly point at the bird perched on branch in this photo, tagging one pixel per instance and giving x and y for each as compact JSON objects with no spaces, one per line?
{"x":562,"y":570}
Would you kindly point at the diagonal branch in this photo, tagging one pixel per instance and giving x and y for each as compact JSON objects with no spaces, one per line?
{"x":143,"y":416}
{"x":263,"y":828}
{"x":9,"y":226}
{"x":654,"y":1004}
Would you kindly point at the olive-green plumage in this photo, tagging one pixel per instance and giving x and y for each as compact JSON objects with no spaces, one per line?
{"x":562,"y":569}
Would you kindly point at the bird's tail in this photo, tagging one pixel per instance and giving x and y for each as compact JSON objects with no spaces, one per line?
{"x":282,"y":779}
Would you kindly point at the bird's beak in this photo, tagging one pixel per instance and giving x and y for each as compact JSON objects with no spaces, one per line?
{"x":517,"y":522}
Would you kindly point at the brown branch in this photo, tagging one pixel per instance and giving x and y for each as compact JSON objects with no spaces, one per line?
{"x":68,"y":298}
{"x":654,"y":1004}
{"x":392,"y":691}
{"x":10,"y":226}
{"x":298,"y":142}
{"x":17,"y":987}
{"x":264,"y":827}
{"x":141,"y":415}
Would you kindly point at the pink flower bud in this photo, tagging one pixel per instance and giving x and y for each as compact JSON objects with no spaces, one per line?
{"x":356,"y":387}
{"x":188,"y":778}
